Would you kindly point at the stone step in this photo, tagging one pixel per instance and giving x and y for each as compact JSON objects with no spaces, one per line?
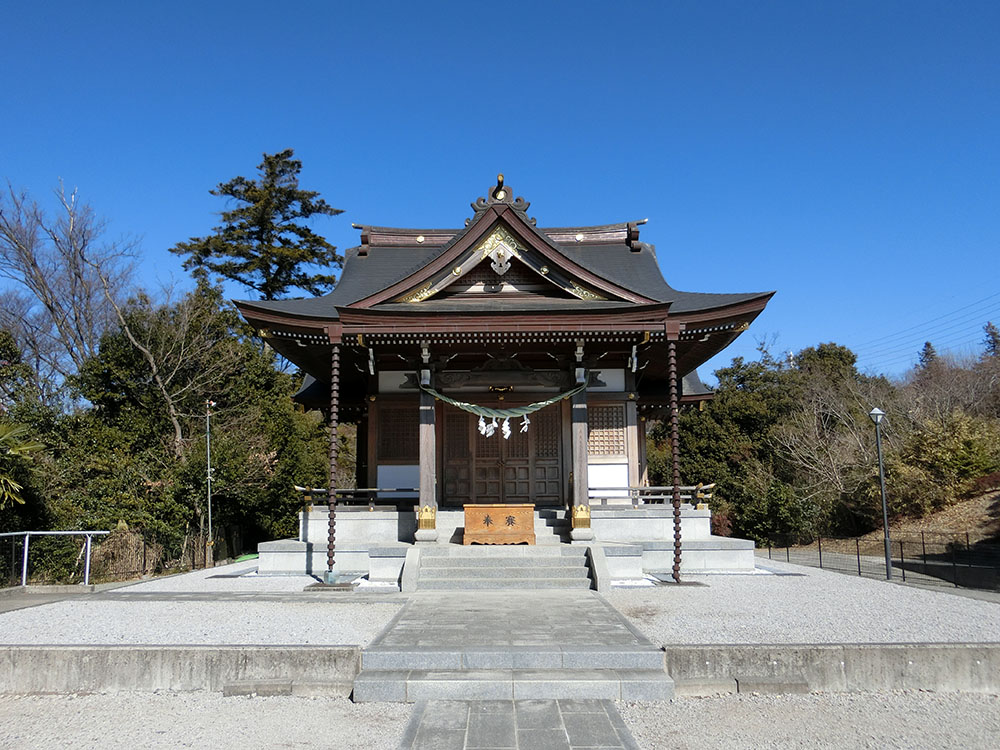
{"x":502,"y":550}
{"x":526,"y":657}
{"x":503,"y":571}
{"x":494,"y":584}
{"x":496,"y":561}
{"x":409,"y":686}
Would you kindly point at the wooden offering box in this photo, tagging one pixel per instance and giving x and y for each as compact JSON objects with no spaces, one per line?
{"x":499,"y":524}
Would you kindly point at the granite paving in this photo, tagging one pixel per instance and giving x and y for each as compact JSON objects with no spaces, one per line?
{"x":517,"y":725}
{"x":525,"y":619}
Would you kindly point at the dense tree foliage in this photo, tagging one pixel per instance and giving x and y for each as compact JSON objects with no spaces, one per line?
{"x":103,"y":387}
{"x":791,"y":445}
{"x":137,"y":455}
{"x":264,"y":243}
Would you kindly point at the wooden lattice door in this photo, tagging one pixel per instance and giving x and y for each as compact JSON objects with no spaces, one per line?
{"x":526,"y":468}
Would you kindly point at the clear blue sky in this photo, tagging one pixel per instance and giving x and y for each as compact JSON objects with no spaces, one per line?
{"x":842,"y":153}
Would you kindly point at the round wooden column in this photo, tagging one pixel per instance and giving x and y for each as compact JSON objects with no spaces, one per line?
{"x":675,"y":455}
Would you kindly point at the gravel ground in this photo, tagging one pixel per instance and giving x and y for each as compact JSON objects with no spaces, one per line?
{"x":845,"y":720}
{"x":208,"y":581}
{"x":281,"y":616}
{"x":816,"y":606}
{"x":205,"y":720}
{"x":276,"y":623}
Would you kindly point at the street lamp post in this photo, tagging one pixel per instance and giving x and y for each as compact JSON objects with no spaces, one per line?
{"x":209,"y":549}
{"x":877,"y":416}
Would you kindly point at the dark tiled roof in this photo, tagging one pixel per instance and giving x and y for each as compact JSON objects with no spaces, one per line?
{"x":380,"y":267}
{"x":640,"y":272}
{"x":691,"y":385}
{"x":363,"y":275}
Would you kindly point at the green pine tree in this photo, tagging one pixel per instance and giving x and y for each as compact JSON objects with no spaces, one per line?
{"x":992,"y":340}
{"x":264,"y":243}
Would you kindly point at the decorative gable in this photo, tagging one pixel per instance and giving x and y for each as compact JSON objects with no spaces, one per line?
{"x":500,"y":264}
{"x":503,"y":237}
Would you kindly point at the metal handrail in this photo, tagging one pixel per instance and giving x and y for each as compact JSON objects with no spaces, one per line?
{"x":348,"y":494}
{"x":655,"y":494}
{"x":27,"y":537}
{"x":638,"y":495}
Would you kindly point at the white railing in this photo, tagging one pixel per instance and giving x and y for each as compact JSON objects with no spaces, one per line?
{"x":27,"y":537}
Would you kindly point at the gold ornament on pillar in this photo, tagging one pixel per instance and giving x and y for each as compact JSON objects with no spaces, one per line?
{"x":581,"y":516}
{"x":427,"y":518}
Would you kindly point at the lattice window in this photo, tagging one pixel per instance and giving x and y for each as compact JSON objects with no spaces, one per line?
{"x":545,"y":426}
{"x":398,"y":433}
{"x":518,"y":275}
{"x":606,"y":430}
{"x":488,"y":447}
{"x":456,"y":434}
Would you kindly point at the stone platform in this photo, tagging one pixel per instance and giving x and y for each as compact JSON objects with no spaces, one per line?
{"x":494,"y":646}
{"x":636,"y":540}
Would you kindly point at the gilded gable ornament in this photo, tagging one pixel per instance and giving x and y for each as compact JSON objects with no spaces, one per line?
{"x":583,"y":293}
{"x":418,"y":295}
{"x":499,"y":248}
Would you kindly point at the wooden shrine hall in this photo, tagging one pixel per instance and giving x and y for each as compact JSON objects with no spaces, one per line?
{"x":499,"y":364}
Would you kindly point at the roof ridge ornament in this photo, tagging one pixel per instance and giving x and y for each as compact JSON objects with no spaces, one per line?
{"x":500,"y":193}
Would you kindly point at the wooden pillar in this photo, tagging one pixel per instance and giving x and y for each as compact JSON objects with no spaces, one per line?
{"x":580,"y":512}
{"x":334,"y":449}
{"x":427,"y":510}
{"x":675,"y":454}
{"x":633,"y":435}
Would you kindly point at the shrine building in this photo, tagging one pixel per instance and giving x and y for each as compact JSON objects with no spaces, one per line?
{"x":503,"y":364}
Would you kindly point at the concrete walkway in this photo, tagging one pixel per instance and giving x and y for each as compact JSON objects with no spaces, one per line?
{"x":517,"y":725}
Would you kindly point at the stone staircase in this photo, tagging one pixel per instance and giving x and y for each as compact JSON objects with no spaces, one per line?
{"x":509,"y":567}
{"x":485,"y":645}
{"x":512,"y":674}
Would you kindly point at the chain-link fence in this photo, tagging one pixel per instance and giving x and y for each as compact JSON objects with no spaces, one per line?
{"x":926,"y":557}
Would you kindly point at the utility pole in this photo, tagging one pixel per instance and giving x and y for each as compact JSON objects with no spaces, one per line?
{"x":209,"y":548}
{"x":877,"y":415}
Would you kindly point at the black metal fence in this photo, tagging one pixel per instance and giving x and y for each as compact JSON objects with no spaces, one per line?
{"x":926,"y":557}
{"x":120,"y":556}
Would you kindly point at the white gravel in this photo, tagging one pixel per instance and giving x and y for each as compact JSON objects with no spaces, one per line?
{"x":209,"y":581}
{"x":846,"y":720}
{"x":203,"y":720}
{"x":281,"y":615}
{"x":816,"y":607}
{"x":279,"y":623}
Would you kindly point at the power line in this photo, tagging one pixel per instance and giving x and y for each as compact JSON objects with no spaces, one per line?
{"x":938,"y":319}
{"x":914,"y":354}
{"x":918,"y":341}
{"x":929,"y":332}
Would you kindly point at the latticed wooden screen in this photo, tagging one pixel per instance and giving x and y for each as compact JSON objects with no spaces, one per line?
{"x":518,"y":275}
{"x":456,"y":434}
{"x":398,"y":433}
{"x":606,"y":430}
{"x":545,"y":426}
